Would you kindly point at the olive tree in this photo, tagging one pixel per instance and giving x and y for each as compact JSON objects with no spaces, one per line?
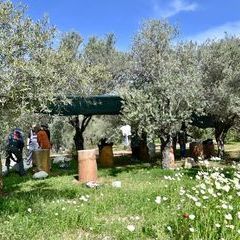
{"x":220,"y":76}
{"x":33,"y":74}
{"x":165,"y":84}
{"x":20,"y":39}
{"x":101,"y":66}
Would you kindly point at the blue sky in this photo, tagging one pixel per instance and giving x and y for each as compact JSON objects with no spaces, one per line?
{"x":197,"y":20}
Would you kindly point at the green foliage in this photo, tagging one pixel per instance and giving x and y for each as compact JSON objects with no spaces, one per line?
{"x":104,"y":66}
{"x":200,"y":134}
{"x":233,"y":136}
{"x":32,"y":73}
{"x":220,"y":75}
{"x":165,"y":86}
{"x":102,"y":127}
{"x":57,"y":133}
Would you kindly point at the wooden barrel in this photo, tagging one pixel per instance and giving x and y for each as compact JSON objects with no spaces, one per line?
{"x":196,"y":150}
{"x":41,"y":158}
{"x":87,"y":165}
{"x":106,"y":156}
{"x":208,"y":150}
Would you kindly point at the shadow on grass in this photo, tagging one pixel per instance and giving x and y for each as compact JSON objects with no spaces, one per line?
{"x":12,"y":182}
{"x":129,"y":168}
{"x":18,"y":198}
{"x":20,"y":201}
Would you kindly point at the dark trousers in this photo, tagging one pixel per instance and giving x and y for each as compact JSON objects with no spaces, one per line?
{"x":19,"y":160}
{"x":183,"y":150}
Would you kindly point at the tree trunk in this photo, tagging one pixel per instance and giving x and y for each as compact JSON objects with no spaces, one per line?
{"x":57,"y":147}
{"x":78,"y":138}
{"x":220,"y":141}
{"x":1,"y":180}
{"x":168,"y":159}
{"x":79,"y":130}
{"x":174,"y":143}
{"x":221,"y":130}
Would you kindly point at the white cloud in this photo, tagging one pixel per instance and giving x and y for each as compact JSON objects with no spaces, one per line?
{"x":218,"y":32}
{"x":173,"y":8}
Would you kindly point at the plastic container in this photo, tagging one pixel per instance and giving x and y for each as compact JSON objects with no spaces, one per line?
{"x":87,"y":165}
{"x":208,"y":148}
{"x":41,"y":158}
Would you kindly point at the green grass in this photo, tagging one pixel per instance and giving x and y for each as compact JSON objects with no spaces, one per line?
{"x":54,"y":208}
{"x":233,"y":150}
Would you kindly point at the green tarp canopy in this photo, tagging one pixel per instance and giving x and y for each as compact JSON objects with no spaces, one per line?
{"x":87,"y":106}
{"x":109,"y":105}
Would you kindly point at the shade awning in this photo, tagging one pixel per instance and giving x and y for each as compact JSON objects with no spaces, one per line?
{"x":95,"y":105}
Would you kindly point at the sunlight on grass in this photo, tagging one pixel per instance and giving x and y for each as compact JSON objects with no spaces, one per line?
{"x":151,"y":204}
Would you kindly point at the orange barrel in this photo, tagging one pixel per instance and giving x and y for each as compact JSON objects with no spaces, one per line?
{"x":87,"y":165}
{"x":41,"y":158}
{"x":196,"y":150}
{"x":208,"y":150}
{"x":106,"y":156}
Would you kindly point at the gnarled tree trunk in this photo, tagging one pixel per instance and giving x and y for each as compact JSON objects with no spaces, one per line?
{"x":79,"y":130}
{"x":167,"y":151}
{"x":221,"y":130}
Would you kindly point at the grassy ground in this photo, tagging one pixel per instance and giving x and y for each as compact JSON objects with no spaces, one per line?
{"x":149,"y":205}
{"x":233,"y":150}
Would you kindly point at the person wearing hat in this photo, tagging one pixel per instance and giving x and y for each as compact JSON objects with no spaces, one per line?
{"x":14,"y":151}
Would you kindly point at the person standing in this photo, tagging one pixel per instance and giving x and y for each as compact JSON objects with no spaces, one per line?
{"x":46,"y":129}
{"x":15,"y":150}
{"x":43,"y":139}
{"x":43,"y":162}
{"x":32,"y":143}
{"x":126,"y":132}
{"x":182,"y":140}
